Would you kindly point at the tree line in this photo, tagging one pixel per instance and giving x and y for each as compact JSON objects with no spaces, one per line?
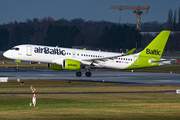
{"x":78,"y":32}
{"x":173,"y":24}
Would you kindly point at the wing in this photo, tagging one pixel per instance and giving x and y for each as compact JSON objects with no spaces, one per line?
{"x":98,"y":60}
{"x":104,"y":59}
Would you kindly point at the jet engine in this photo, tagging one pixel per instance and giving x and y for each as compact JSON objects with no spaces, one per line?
{"x":67,"y":64}
{"x":54,"y":67}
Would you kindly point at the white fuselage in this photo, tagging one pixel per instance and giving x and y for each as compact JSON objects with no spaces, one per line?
{"x":47,"y":54}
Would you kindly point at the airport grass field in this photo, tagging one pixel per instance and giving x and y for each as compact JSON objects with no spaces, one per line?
{"x":72,"y":105}
{"x":86,"y":100}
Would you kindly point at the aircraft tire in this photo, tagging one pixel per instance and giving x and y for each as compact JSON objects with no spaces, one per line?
{"x":78,"y":74}
{"x":88,"y":74}
{"x":16,"y":68}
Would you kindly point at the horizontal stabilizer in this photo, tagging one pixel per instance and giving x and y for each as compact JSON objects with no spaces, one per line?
{"x":160,"y":61}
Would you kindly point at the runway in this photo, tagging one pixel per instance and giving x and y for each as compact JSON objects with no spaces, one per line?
{"x":126,"y":78}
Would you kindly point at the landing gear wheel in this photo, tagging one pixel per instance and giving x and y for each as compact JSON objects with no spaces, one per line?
{"x":16,"y":68}
{"x":78,"y":74}
{"x":88,"y":74}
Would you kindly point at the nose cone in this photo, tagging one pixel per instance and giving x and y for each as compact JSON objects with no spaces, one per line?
{"x":7,"y":54}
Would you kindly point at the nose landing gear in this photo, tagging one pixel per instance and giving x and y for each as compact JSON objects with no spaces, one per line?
{"x":17,"y":66}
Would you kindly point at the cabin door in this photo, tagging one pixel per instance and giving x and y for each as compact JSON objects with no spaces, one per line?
{"x":28,"y":50}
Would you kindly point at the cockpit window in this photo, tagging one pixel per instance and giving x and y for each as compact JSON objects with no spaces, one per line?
{"x":14,"y":49}
{"x":17,"y":49}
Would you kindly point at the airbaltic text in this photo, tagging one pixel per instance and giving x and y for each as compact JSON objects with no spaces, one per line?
{"x":47,"y":50}
{"x":153,"y":52}
{"x":72,"y":65}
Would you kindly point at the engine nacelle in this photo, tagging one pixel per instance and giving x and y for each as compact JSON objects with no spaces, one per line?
{"x":54,"y":67}
{"x":69,"y":64}
{"x":66,"y":64}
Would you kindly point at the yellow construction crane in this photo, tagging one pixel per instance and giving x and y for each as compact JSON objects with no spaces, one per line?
{"x":136,"y":9}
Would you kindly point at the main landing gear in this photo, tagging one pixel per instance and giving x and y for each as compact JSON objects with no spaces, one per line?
{"x":79,"y":73}
{"x":88,"y":74}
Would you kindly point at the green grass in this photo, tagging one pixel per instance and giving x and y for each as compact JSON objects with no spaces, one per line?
{"x":87,"y":106}
{"x":92,"y":106}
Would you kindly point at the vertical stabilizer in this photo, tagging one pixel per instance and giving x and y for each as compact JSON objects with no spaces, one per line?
{"x":156,"y":47}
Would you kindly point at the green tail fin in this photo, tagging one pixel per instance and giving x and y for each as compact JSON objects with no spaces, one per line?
{"x":156,"y":47}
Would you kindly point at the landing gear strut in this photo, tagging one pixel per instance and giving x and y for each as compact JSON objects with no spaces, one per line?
{"x":78,"y":73}
{"x":17,"y":66}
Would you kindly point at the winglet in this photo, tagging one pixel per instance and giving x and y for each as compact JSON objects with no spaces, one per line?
{"x":130,"y":52}
{"x":156,"y":47}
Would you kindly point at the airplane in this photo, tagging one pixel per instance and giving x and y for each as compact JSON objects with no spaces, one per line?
{"x":58,"y":58}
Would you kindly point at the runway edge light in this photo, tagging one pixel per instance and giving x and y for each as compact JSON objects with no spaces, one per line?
{"x":178,"y":91}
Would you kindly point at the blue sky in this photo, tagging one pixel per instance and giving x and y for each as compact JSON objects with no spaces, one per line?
{"x":97,"y":10}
